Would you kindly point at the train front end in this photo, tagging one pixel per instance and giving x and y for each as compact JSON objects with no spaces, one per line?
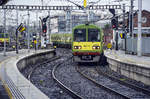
{"x":87,"y":43}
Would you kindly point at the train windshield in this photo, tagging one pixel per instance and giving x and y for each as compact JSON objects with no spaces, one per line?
{"x":80,"y":35}
{"x":93,"y":35}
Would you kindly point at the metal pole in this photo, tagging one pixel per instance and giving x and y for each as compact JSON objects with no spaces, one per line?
{"x":139,"y":44}
{"x":34,"y":35}
{"x":67,"y":21}
{"x":88,"y":14}
{"x":40,"y":36}
{"x":124,"y":26}
{"x":37,"y":30}
{"x":116,"y":38}
{"x":131,"y":18}
{"x":49,"y":27}
{"x":16,"y":41}
{"x":28,"y":32}
{"x":17,"y":32}
{"x":114,"y":41}
{"x":42,"y":2}
{"x":131,"y":24}
{"x":4,"y":32}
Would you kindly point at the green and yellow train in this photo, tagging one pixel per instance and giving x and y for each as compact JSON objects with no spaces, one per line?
{"x":63,"y":40}
{"x":4,"y":37}
{"x":87,"y":43}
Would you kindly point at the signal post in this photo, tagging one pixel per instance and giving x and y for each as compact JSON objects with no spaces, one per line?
{"x":44,"y":31}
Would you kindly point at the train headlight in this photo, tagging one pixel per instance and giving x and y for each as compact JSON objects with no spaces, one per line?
{"x":77,"y":47}
{"x":96,"y":47}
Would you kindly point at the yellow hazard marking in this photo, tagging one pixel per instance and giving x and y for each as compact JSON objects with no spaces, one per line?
{"x":35,"y":41}
{"x":121,"y":35}
{"x":85,"y":4}
{"x":4,"y":83}
{"x":22,"y":29}
{"x":109,"y":45}
{"x":55,"y":46}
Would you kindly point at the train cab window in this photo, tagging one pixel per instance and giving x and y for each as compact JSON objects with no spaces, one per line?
{"x":6,"y":36}
{"x":1,"y":35}
{"x":80,"y":35}
{"x":93,"y":35}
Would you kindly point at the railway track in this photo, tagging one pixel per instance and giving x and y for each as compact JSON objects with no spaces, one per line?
{"x":101,"y":85}
{"x":71,"y":92}
{"x":65,"y":88}
{"x":121,"y":80}
{"x":41,"y":64}
{"x":64,"y":73}
{"x":112,"y":84}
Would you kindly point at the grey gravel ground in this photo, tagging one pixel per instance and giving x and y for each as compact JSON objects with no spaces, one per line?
{"x":72,"y":79}
{"x":133,"y":94}
{"x":42,"y":77}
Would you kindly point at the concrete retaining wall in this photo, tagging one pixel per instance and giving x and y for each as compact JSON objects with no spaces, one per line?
{"x":33,"y":59}
{"x":133,"y":71}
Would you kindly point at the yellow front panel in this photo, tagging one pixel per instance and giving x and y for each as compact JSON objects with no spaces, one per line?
{"x":2,"y":39}
{"x":85,"y":46}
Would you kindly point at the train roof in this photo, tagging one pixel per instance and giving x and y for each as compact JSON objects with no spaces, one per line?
{"x":86,"y":25}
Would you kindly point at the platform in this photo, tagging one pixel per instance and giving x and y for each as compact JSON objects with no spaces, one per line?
{"x":17,"y":85}
{"x":3,"y":91}
{"x":132,"y":66}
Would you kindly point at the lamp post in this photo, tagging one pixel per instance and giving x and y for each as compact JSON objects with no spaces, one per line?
{"x":28,"y":32}
{"x":4,"y":32}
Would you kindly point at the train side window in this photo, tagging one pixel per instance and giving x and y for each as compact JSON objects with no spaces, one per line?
{"x":79,"y":35}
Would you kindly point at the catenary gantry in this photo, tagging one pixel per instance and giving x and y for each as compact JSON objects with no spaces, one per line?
{"x":38,"y":7}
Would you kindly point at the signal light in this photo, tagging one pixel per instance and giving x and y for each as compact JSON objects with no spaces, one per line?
{"x":114,"y":23}
{"x":44,"y":31}
{"x":44,"y":28}
{"x":113,"y":26}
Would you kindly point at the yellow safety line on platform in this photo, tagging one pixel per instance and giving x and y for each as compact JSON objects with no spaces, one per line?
{"x":4,"y":84}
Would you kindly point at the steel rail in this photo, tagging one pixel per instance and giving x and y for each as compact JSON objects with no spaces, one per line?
{"x":68,"y":90}
{"x":101,"y":85}
{"x":138,"y":88}
{"x":45,"y":62}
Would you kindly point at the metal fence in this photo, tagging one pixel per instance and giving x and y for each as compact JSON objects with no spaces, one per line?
{"x":132,"y":45}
